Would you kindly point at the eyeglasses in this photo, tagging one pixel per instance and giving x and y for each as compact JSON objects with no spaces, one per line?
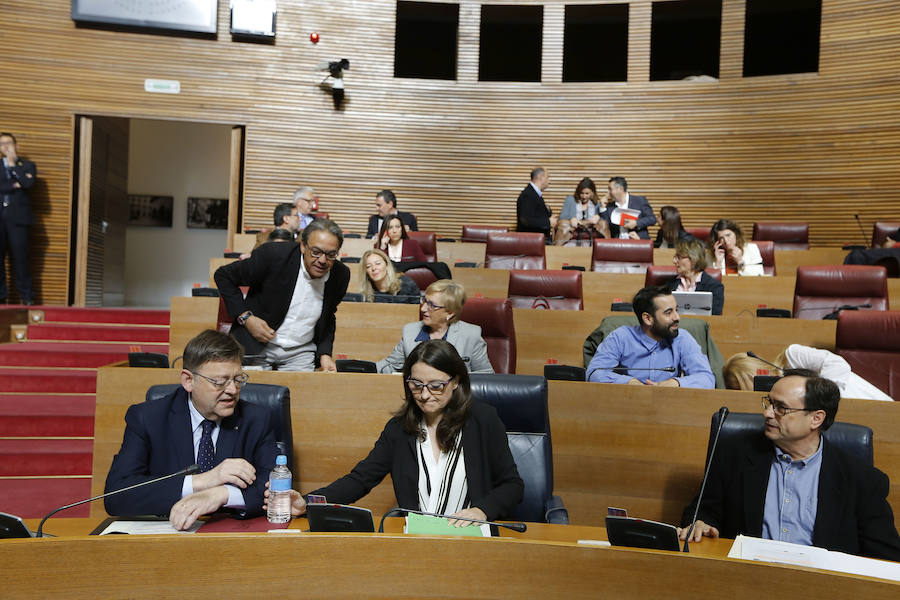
{"x":435,"y":387}
{"x":431,"y":305}
{"x":220,"y":384}
{"x":777,"y":407}
{"x":318,"y":253}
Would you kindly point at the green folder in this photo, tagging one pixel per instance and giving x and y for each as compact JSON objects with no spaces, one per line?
{"x":423,"y":524}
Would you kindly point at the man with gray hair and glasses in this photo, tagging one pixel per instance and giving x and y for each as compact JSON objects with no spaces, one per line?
{"x":287,"y":318}
{"x":306,"y":202}
{"x":202,"y":422}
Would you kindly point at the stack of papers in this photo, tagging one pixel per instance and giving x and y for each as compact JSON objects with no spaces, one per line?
{"x":750,"y":548}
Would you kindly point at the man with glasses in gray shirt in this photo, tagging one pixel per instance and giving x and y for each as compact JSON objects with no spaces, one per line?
{"x":288,"y":315}
{"x":791,"y":484}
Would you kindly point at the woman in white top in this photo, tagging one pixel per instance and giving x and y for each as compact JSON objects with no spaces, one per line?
{"x":731,"y":253}
{"x":740,"y":369}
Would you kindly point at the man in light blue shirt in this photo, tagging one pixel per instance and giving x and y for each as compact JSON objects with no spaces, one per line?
{"x":652,"y":353}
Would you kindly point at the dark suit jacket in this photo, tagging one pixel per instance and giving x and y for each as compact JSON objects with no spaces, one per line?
{"x":271,"y":272}
{"x":493,"y":480}
{"x":18,"y":210}
{"x":707,"y":283}
{"x":532,"y":213}
{"x":645,"y":219}
{"x":853,"y":513}
{"x":408,"y":219}
{"x":158,"y":441}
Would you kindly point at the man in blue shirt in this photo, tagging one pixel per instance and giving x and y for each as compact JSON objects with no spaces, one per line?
{"x":652,"y":353}
{"x":791,"y":484}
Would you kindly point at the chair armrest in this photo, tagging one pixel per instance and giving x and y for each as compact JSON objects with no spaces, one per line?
{"x":555,"y":512}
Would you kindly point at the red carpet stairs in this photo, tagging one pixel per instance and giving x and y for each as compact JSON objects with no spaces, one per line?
{"x":47,"y":397}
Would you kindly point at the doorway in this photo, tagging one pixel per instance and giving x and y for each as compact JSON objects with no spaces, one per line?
{"x":154,"y":201}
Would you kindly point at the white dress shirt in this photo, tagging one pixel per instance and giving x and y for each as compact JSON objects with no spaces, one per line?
{"x":298,"y":327}
{"x":235,"y":497}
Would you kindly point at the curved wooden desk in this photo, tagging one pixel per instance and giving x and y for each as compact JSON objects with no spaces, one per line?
{"x":395,"y":566}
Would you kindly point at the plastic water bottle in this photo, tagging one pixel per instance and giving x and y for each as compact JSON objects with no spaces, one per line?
{"x":279,"y":504}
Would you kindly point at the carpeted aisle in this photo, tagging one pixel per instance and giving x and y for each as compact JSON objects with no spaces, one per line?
{"x":47,"y":400}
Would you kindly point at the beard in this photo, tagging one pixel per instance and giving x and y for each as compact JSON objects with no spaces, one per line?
{"x":663,"y":332}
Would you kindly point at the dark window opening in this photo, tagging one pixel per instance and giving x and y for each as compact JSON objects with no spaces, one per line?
{"x":425,"y":41}
{"x":781,"y":36}
{"x":685,"y":38}
{"x":511,"y":43}
{"x":595,"y":42}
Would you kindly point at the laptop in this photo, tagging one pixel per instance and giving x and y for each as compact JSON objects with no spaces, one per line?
{"x":694,"y":303}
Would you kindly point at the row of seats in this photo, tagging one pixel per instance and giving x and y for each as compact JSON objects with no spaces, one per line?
{"x":785,"y":236}
{"x":521,"y":403}
{"x":512,"y":250}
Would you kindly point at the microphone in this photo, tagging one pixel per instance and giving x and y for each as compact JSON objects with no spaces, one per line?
{"x":835,"y":310}
{"x":620,"y":370}
{"x":861,"y":230}
{"x":191,"y":470}
{"x":520,"y":527}
{"x":723,"y":414}
{"x":757,"y":357}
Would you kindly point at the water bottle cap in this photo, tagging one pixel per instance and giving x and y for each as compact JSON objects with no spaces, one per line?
{"x":281,"y":460}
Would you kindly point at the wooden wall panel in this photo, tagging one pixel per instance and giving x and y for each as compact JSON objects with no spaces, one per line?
{"x":812,"y":147}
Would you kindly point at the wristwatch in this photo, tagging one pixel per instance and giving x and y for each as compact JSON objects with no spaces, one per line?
{"x":242,"y":318}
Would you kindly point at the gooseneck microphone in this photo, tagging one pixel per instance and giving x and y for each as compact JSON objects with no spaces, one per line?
{"x":520,"y":527}
{"x":759,"y":358}
{"x":723,"y":414}
{"x":861,"y":230}
{"x":191,"y":470}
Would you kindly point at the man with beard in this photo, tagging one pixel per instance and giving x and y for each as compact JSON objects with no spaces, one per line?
{"x":652,"y":353}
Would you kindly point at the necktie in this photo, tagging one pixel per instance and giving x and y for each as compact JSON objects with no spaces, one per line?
{"x":206,"y":454}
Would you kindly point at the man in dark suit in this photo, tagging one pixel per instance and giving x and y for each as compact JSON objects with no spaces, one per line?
{"x":288,"y":313}
{"x":204,"y":422}
{"x":532,"y":213}
{"x":16,"y":177}
{"x":793,"y":485}
{"x":617,"y":189}
{"x":386,"y":205}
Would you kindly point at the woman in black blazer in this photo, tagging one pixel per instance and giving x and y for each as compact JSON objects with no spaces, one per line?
{"x":690,"y":276}
{"x":421,"y":444}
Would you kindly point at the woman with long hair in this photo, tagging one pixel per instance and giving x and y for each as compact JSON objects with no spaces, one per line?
{"x":396,"y":243}
{"x":731,"y":253}
{"x":671,"y":231}
{"x":445,"y":454}
{"x":380,"y":282}
{"x":583,"y":209}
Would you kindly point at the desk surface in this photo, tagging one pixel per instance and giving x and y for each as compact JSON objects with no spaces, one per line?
{"x":395,"y":566}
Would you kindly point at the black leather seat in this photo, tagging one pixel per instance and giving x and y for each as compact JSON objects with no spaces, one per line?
{"x":276,"y":398}
{"x":521,"y":402}
{"x":853,"y":439}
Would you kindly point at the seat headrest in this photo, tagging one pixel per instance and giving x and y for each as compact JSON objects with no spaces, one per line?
{"x":845,"y":281}
{"x":520,"y":400}
{"x":638,"y":251}
{"x":868,"y":330}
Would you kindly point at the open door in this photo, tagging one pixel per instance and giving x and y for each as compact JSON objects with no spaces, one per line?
{"x":101,"y":215}
{"x":236,"y":177}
